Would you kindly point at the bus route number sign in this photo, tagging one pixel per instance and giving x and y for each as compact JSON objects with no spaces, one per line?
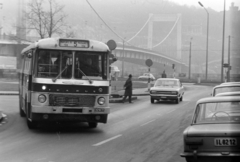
{"x":73,"y":43}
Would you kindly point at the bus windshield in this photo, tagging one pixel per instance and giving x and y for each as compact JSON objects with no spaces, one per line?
{"x":69,"y":64}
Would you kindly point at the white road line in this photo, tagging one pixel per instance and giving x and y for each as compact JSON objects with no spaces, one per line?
{"x":105,"y":141}
{"x":170,"y":111}
{"x":148,"y":122}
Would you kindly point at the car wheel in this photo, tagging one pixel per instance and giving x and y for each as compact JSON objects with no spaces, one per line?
{"x":152,"y":100}
{"x":92,"y":124}
{"x":22,"y":114}
{"x":177,"y":101}
{"x":188,"y":159}
{"x":181,"y":99}
{"x":31,"y":124}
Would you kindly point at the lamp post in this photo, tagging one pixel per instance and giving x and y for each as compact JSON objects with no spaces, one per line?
{"x":123,"y":59}
{"x":190,"y":51}
{"x":223,"y":41}
{"x":206,"y":76}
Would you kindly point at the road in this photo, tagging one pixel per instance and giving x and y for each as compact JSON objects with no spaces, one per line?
{"x":138,"y":132}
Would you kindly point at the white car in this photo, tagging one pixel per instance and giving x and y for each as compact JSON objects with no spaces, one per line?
{"x":222,"y":88}
{"x":213,"y":134}
{"x":145,"y":76}
{"x":167,"y":89}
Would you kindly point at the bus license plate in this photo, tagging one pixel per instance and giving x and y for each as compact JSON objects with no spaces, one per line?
{"x":99,"y":110}
{"x":225,"y":142}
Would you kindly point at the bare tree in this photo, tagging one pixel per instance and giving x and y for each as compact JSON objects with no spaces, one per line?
{"x":45,"y":22}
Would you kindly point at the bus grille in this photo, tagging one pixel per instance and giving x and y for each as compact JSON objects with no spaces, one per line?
{"x":71,"y":100}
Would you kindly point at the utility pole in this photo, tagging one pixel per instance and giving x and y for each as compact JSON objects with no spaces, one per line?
{"x":190,"y":55}
{"x":229,"y":66}
{"x":123,"y":55}
{"x":223,"y":36}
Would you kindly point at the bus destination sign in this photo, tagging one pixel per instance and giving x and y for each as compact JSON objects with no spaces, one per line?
{"x":73,"y":43}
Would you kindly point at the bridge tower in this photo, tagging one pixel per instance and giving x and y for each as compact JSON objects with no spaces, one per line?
{"x":166,"y":17}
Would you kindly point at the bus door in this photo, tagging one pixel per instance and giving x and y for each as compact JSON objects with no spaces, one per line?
{"x":26,"y":83}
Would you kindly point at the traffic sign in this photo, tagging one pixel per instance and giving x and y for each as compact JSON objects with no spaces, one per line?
{"x":225,"y":65}
{"x":149,"y":62}
{"x":111,"y":44}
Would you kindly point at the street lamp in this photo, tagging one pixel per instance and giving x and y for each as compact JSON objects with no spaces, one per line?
{"x":207,"y":39}
{"x":190,"y":51}
{"x":223,"y":41}
{"x":123,"y":59}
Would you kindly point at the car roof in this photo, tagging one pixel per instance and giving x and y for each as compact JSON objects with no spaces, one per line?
{"x":168,"y":79}
{"x":226,"y":83}
{"x":219,"y":99}
{"x":236,"y":93}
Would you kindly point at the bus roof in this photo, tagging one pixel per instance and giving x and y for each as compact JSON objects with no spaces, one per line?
{"x":68,"y":44}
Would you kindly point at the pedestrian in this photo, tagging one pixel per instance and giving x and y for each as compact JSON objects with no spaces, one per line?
{"x":164,"y":75}
{"x":128,"y":89}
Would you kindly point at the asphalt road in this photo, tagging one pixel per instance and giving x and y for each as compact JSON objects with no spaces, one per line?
{"x":138,"y":132}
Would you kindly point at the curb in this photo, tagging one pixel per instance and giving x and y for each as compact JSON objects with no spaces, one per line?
{"x":119,"y":100}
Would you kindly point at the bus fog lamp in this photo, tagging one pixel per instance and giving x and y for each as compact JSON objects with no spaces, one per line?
{"x":101,"y":100}
{"x":42,"y":98}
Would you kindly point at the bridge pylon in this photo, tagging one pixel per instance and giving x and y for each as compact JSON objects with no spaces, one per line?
{"x":166,"y":18}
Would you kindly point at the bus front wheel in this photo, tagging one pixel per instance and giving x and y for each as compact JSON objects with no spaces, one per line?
{"x":31,"y":124}
{"x":92,"y":124}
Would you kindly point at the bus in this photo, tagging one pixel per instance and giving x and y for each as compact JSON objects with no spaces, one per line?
{"x":63,"y":79}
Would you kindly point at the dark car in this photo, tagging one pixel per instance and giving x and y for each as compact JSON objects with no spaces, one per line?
{"x":214,"y":133}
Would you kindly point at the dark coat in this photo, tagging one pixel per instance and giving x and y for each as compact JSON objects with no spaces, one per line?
{"x":128,"y":87}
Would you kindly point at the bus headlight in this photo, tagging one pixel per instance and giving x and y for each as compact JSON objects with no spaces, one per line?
{"x":42,"y":98}
{"x":101,"y":100}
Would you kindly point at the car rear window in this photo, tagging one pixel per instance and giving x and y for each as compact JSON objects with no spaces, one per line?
{"x":218,"y":112}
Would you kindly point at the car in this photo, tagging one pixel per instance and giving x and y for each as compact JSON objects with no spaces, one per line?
{"x":237,"y":93}
{"x":145,"y":76}
{"x":167,"y":89}
{"x":227,"y":83}
{"x":214,"y":132}
{"x":222,"y":88}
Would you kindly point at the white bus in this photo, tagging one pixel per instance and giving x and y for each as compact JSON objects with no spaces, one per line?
{"x":65,"y":80}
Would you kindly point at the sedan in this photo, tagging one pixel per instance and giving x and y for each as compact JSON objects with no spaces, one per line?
{"x":145,"y":76}
{"x":167,"y":89}
{"x":222,"y":88}
{"x":214,"y":133}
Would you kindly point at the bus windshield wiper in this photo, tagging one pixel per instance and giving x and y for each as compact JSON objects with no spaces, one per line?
{"x":90,"y":81}
{"x":54,"y":80}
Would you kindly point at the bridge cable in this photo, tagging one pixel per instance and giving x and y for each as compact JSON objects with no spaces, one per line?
{"x":168,"y":33}
{"x":140,"y":29}
{"x":107,"y":24}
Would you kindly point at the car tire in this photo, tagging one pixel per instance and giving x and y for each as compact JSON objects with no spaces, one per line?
{"x":181,"y":99}
{"x":177,"y":101}
{"x":21,"y":112}
{"x":92,"y":124}
{"x":152,"y":100}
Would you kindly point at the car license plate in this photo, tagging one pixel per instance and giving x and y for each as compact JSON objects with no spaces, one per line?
{"x":98,"y":110}
{"x":163,"y":97}
{"x":225,"y":142}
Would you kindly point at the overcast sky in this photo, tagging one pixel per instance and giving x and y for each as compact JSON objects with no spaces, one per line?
{"x":217,"y":5}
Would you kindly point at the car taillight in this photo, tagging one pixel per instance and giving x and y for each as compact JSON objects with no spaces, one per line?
{"x":194,"y":141}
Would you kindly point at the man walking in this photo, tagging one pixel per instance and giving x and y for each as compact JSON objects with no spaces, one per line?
{"x":128,"y":89}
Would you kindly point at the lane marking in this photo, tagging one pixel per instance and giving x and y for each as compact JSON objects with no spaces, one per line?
{"x":148,"y":122}
{"x":105,"y":141}
{"x":170,"y":111}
